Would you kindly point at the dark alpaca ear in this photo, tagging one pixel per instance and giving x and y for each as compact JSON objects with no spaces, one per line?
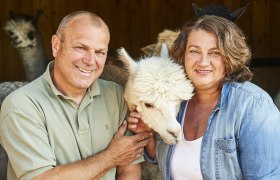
{"x":38,"y":14}
{"x":236,"y":14}
{"x":12,"y":15}
{"x":196,"y":10}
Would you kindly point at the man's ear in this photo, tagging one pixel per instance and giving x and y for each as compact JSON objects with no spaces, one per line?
{"x":55,"y":45}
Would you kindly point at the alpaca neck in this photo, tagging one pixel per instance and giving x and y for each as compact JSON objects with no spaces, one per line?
{"x":34,"y":60}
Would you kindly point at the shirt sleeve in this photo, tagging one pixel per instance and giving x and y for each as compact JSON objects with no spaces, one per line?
{"x":259,"y":141}
{"x":25,"y":138}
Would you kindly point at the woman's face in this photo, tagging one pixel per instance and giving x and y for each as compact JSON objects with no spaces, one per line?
{"x":204,"y":63}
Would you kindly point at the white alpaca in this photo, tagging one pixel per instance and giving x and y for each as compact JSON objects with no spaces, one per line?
{"x":157,"y":85}
{"x":27,"y":40}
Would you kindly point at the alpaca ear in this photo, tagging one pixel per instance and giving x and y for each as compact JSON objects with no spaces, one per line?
{"x":196,"y":10}
{"x":129,"y":63}
{"x":149,"y":49}
{"x":38,"y":14}
{"x":12,"y":15}
{"x":164,"y":51}
{"x":236,"y":14}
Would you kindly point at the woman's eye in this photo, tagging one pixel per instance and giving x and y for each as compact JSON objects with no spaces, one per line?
{"x":194,"y":51}
{"x":215,"y":53}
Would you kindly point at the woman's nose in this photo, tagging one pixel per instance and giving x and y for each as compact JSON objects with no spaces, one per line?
{"x":204,"y":60}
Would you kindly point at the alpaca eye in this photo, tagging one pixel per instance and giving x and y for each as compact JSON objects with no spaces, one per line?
{"x":149,"y":105}
{"x":31,"y":35}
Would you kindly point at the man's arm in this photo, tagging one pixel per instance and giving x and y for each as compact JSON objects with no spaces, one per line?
{"x":121,"y":151}
{"x":129,"y":172}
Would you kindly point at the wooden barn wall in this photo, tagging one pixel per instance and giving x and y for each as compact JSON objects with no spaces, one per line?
{"x":136,"y":23}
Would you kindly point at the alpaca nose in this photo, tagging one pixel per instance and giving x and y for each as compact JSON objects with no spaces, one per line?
{"x":15,"y":41}
{"x":173,"y":133}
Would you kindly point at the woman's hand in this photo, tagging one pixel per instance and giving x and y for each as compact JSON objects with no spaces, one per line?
{"x":135,"y":123}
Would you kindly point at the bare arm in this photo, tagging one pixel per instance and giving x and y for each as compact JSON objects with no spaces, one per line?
{"x":129,"y":172}
{"x":121,"y":151}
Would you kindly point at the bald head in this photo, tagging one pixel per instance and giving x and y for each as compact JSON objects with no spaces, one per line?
{"x":80,"y":16}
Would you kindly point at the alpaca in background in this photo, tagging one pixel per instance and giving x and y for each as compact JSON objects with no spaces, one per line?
{"x":26,"y":38}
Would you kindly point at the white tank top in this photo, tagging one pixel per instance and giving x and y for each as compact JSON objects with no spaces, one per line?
{"x":185,"y":161}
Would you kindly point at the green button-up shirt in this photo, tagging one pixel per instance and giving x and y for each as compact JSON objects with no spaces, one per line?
{"x":41,"y":128}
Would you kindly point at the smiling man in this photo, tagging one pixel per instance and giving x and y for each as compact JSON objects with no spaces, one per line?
{"x":68,"y":124}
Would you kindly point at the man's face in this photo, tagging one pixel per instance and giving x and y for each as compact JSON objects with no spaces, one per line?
{"x":80,"y":55}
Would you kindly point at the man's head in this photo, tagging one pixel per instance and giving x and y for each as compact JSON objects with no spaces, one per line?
{"x":80,"y":48}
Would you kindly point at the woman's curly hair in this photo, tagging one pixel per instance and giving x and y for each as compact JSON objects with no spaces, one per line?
{"x":231,"y":43}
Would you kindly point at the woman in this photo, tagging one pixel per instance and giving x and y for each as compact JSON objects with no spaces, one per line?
{"x":231,"y":127}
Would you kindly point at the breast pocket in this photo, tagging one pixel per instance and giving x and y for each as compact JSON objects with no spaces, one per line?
{"x":226,"y":159}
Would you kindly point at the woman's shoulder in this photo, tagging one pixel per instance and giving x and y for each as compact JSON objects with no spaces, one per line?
{"x":246,"y":93}
{"x":248,"y":89}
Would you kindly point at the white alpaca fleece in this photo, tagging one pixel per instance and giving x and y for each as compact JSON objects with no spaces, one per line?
{"x":157,"y":85}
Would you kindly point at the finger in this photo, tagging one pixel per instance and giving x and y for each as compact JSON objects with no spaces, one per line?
{"x":133,"y":108}
{"x":132,"y":127}
{"x":143,"y":143}
{"x":135,"y":115}
{"x":142,"y":136}
{"x":122,"y":129}
{"x":132,"y":120}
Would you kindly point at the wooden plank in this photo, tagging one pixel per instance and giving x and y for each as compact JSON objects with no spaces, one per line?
{"x":58,"y":11}
{"x":44,"y":24}
{"x":260,"y":26}
{"x":154,"y":20}
{"x":140,"y":32}
{"x":117,"y":15}
{"x":274,"y":28}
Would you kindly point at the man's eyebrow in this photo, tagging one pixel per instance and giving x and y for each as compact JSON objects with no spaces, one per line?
{"x":102,"y":49}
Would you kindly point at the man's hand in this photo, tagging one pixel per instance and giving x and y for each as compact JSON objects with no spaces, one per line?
{"x":125,"y":149}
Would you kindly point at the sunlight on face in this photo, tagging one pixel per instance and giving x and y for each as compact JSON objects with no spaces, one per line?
{"x":204,"y":63}
{"x":81,"y":56}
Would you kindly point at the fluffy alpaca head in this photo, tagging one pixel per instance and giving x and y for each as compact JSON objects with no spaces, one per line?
{"x":157,"y":85}
{"x":22,"y":30}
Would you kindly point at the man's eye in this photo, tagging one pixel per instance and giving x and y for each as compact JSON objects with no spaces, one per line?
{"x":81,"y":49}
{"x":100,"y":54}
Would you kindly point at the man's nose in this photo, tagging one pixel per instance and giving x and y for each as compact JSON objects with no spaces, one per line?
{"x":90,"y":58}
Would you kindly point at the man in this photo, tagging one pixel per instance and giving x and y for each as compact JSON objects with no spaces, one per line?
{"x":65,"y":124}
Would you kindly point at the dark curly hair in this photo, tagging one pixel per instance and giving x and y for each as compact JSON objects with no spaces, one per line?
{"x":231,"y":43}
